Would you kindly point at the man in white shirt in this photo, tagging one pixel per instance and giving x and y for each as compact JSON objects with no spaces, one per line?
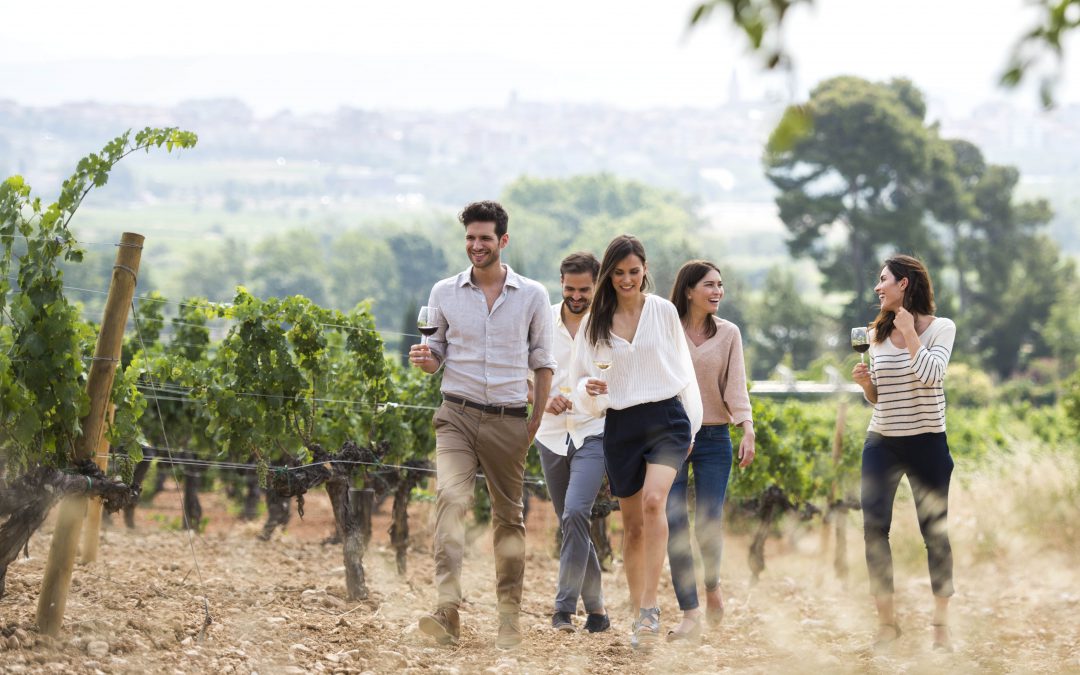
{"x":571,"y":449}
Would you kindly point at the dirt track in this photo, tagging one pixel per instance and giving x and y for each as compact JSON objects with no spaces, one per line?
{"x":277,"y":607}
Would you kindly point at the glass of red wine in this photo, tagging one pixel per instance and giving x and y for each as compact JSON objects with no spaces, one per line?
{"x":860,"y":342}
{"x":427,"y":322}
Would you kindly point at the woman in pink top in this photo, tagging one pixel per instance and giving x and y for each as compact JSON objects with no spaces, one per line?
{"x":716,"y":350}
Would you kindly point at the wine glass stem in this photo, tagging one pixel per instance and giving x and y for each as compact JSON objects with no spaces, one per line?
{"x":862,"y":357}
{"x":423,"y":340}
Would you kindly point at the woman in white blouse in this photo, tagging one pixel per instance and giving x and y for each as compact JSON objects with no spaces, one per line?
{"x":909,"y":352}
{"x":649,"y":392}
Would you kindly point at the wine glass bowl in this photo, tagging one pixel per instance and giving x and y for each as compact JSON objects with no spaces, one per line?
{"x":602,"y":354}
{"x":860,"y":341}
{"x":427,"y":322}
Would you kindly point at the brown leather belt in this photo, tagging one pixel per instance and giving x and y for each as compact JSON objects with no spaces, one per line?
{"x":490,"y":409}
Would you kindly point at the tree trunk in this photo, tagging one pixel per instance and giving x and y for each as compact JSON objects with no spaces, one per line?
{"x":277,"y":513}
{"x":251,"y":497}
{"x":192,"y":508}
{"x":337,"y":488}
{"x":840,"y":560}
{"x":598,"y":531}
{"x":357,"y":532}
{"x":141,"y":469}
{"x":756,"y":557}
{"x":399,"y":524}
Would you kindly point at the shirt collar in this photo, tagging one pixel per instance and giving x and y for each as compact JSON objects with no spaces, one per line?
{"x":513,"y":280}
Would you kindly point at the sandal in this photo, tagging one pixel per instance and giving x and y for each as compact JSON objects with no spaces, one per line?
{"x":882,"y":643}
{"x":694,"y":633}
{"x":943,"y":646}
{"x":646,"y":629}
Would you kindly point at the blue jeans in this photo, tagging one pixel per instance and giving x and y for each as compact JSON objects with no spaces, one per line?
{"x":711,"y":460}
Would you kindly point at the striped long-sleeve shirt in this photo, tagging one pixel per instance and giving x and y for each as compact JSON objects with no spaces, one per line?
{"x":910,"y":390}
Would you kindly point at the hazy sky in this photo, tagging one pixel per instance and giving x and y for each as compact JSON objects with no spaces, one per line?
{"x":318,"y":54}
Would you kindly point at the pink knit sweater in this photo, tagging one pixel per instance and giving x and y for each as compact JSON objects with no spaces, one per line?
{"x":721,"y":375}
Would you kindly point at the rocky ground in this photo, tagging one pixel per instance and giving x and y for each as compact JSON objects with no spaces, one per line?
{"x":279,"y":607}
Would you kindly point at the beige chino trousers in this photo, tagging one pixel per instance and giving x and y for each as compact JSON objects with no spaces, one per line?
{"x":467,"y":441}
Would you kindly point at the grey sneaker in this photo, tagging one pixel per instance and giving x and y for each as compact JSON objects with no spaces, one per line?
{"x":561,"y":621}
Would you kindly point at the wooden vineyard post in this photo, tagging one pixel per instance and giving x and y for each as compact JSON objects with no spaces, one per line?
{"x":93,"y":513}
{"x":840,"y":560}
{"x":57,"y":578}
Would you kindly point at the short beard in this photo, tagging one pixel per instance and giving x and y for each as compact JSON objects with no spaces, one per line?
{"x":566,"y":304}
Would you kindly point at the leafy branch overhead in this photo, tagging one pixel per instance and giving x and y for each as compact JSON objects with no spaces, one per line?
{"x":762,"y":22}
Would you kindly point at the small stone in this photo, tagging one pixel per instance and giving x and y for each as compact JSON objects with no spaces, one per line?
{"x":275,"y":619}
{"x":393,"y":659}
{"x":24,"y":637}
{"x":98,"y":649}
{"x":192,"y":653}
{"x":332,"y":658}
{"x":12,"y":643}
{"x":186,"y":641}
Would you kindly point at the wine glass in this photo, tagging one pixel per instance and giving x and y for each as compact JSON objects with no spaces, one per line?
{"x":860,"y":342}
{"x":427,"y":322}
{"x":602,"y":353}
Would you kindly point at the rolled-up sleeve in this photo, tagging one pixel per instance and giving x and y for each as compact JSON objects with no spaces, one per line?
{"x":541,"y":333}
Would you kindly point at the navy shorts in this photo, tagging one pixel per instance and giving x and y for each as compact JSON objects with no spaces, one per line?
{"x":649,"y":433}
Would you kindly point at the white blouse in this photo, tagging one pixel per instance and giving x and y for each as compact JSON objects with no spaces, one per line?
{"x":654,"y":366}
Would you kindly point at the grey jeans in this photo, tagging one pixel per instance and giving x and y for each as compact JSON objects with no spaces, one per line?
{"x":573,"y":482}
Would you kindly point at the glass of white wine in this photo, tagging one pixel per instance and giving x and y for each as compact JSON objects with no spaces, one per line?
{"x":860,"y":342}
{"x":602,"y":353}
{"x":427,"y":322}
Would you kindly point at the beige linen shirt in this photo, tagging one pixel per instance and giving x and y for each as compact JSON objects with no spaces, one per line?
{"x":486,"y":356}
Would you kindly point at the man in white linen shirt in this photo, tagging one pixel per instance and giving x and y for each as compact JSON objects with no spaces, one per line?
{"x":494,"y":327}
{"x":571,"y":445}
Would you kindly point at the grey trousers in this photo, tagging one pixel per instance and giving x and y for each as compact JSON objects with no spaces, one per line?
{"x":573,"y":482}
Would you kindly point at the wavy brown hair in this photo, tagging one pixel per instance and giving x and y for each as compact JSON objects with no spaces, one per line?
{"x":604,"y":300}
{"x":690,"y":274}
{"x":918,"y":296}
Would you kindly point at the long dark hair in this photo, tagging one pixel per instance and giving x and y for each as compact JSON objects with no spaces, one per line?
{"x":688,"y":277}
{"x":604,"y":300}
{"x":918,"y":296}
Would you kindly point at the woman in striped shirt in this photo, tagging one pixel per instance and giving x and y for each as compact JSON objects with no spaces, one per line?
{"x":909,"y":352}
{"x":648,"y":394}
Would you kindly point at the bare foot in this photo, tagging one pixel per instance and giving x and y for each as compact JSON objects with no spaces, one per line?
{"x":942,"y":638}
{"x":714,"y":604}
